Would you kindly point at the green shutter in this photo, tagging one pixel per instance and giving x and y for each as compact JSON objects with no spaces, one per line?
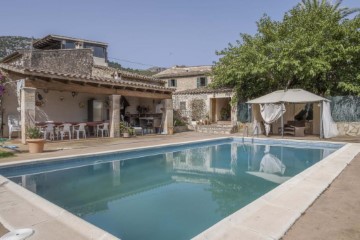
{"x":198,"y":82}
{"x":206,"y":81}
{"x":175,"y":80}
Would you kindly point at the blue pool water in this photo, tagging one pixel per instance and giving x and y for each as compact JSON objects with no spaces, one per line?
{"x":171,"y":192}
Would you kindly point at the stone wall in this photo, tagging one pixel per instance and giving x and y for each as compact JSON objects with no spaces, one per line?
{"x":76,"y":61}
{"x":177,"y":99}
{"x":348,"y":128}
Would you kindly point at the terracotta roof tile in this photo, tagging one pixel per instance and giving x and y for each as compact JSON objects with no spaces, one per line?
{"x":183,"y":71}
{"x":204,"y":90}
{"x":130,"y":75}
{"x":84,"y":78}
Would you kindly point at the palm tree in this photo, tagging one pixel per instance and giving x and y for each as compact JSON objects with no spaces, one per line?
{"x":335,"y":7}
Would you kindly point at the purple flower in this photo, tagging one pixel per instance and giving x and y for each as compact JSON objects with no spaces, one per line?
{"x":2,"y":90}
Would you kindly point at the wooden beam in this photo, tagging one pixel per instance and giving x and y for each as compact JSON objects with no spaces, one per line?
{"x":71,"y":87}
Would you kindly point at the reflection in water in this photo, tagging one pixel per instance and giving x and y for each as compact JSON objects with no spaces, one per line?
{"x":271,"y":164}
{"x":174,"y":195}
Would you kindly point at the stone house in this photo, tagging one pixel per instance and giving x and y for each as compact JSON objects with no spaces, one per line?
{"x":61,"y":78}
{"x":195,"y":100}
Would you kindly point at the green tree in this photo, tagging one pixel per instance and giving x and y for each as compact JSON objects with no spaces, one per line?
{"x":314,"y":47}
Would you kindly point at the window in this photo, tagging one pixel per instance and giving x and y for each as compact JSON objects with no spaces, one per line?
{"x":182,"y":105}
{"x":68,"y":44}
{"x":99,"y":51}
{"x":172,"y":83}
{"x":202,"y":82}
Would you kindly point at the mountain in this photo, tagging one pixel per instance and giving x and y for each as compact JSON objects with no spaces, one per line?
{"x":9,"y":44}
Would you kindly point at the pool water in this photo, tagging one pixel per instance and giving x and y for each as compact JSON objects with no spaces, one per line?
{"x":166,"y":193}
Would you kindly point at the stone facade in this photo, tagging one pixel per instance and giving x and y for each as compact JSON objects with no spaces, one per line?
{"x":184,"y":83}
{"x":76,"y":61}
{"x":348,"y":128}
{"x":177,"y":99}
{"x":186,"y":76}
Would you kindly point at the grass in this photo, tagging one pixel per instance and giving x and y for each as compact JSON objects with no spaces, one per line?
{"x":6,"y":154}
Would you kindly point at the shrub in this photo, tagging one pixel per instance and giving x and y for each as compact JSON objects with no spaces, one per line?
{"x":33,"y":133}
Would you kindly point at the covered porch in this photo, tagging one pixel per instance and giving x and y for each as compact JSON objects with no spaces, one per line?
{"x":40,"y":97}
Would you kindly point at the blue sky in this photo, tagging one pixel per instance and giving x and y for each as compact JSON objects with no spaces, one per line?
{"x":154,"y":32}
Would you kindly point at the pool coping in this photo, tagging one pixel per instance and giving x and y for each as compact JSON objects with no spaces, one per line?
{"x":271,"y":216}
{"x":254,"y":221}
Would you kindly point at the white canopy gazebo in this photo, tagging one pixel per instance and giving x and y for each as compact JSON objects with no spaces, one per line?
{"x":272,"y":108}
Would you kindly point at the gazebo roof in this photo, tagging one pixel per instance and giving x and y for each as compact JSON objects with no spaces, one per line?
{"x":289,"y":96}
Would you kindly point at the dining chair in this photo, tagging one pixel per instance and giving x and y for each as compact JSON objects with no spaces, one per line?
{"x":103,"y":128}
{"x":48,"y":129}
{"x":14,"y":124}
{"x":79,"y":128}
{"x":65,"y":128}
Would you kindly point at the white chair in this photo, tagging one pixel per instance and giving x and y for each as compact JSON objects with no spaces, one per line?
{"x":14,"y":124}
{"x":103,"y":128}
{"x":48,"y":130}
{"x":79,"y":128}
{"x":65,"y":128}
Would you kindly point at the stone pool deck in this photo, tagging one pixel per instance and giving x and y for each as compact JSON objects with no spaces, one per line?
{"x":336,"y":213}
{"x":13,"y":202}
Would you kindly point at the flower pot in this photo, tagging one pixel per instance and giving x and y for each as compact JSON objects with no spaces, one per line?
{"x":170,"y":131}
{"x":36,"y":145}
{"x":126,"y":135}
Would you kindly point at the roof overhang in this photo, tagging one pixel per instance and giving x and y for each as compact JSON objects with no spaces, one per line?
{"x":51,"y":39}
{"x":81,"y":83}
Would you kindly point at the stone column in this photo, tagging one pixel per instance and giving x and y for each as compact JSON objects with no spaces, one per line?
{"x":168,"y":121}
{"x":115,"y":116}
{"x":27,"y":106}
{"x":234,"y":114}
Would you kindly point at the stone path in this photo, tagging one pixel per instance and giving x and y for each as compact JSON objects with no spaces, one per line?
{"x":336,"y":213}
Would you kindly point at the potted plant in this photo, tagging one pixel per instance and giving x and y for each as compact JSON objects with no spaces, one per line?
{"x":125,"y":130}
{"x":34,"y":140}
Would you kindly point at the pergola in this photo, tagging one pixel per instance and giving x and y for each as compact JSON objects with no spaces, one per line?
{"x":293,"y":96}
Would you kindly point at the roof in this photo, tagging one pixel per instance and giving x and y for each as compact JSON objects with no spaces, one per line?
{"x":130,"y":74}
{"x":184,"y":71}
{"x":290,"y":96}
{"x":83,"y":78}
{"x":56,"y":38}
{"x":204,"y":90}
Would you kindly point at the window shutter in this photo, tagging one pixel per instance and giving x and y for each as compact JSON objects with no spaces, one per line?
{"x":198,"y":82}
{"x":169,"y":82}
{"x":206,"y":81}
{"x":175,"y":81}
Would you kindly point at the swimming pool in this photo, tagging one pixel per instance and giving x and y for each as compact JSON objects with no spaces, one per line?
{"x":172,"y":192}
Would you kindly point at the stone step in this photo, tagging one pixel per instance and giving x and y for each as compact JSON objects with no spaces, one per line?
{"x":216,"y":129}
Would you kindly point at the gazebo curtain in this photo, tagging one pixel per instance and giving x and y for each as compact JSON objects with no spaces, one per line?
{"x":329,"y":126}
{"x":270,"y":113}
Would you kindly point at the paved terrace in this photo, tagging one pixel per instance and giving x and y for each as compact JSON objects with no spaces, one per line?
{"x":334,"y":210}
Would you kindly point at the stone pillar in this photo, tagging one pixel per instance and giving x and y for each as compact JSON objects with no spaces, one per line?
{"x":115,"y":116}
{"x":168,"y":121}
{"x":234,"y":114}
{"x":27,"y":106}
